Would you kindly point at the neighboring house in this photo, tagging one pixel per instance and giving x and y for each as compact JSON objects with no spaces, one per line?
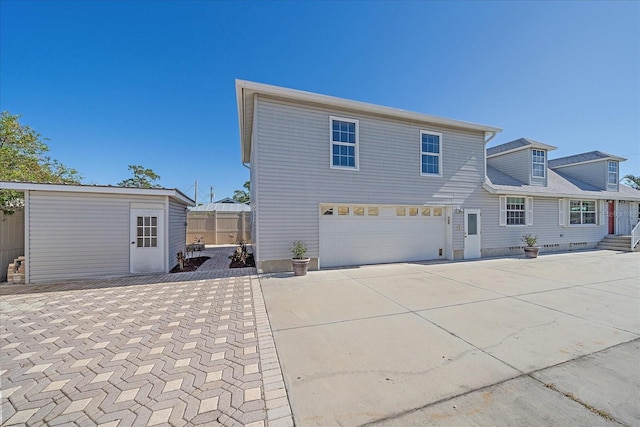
{"x":87,"y":231}
{"x":361,"y":183}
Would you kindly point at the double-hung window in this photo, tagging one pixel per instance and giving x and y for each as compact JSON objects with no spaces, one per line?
{"x":582,"y":212}
{"x":515,"y":210}
{"x":538,"y":164}
{"x":430,"y":153}
{"x":613,"y":173}
{"x":344,"y":143}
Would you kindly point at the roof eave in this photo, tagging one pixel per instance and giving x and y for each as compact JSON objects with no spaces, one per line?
{"x":522,"y":192}
{"x":243,"y":88}
{"x":538,"y":145}
{"x":602,"y":159}
{"x":95,"y":189}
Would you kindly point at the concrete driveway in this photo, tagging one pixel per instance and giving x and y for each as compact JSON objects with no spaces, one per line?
{"x":550,"y":341}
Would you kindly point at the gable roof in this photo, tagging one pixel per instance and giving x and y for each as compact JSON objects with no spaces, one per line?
{"x":518,"y":144}
{"x":226,"y":200}
{"x":591,"y":156}
{"x":558,"y":185}
{"x":104,"y":189}
{"x":245,"y":91}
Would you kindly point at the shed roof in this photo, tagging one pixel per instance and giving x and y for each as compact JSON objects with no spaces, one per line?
{"x":104,"y":189}
{"x":591,"y":156}
{"x":558,"y":185}
{"x":245,"y":91}
{"x":221,"y":207}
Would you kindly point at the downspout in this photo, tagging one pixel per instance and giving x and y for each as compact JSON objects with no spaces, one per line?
{"x":486,"y":141}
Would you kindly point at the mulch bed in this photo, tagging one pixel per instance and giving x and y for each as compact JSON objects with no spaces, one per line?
{"x":190,"y":264}
{"x":250,"y":262}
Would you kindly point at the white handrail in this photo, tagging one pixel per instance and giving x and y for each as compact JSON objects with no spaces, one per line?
{"x":635,"y":236}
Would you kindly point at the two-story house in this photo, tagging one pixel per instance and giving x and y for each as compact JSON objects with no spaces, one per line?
{"x":361,"y":183}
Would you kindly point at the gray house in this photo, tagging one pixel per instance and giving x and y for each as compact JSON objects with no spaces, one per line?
{"x":82,"y":231}
{"x":362,"y":183}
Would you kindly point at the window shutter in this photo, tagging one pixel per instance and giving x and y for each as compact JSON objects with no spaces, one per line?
{"x":529,"y":208}
{"x":503,"y":210}
{"x":561,"y":214}
{"x":604,"y":213}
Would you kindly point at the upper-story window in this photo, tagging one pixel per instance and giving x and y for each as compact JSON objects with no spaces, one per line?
{"x":538,"y":164}
{"x":344,"y":143}
{"x":613,"y":173}
{"x":430,"y":153}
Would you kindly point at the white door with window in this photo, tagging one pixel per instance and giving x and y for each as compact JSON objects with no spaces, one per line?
{"x":471,"y":233}
{"x":146,"y":240}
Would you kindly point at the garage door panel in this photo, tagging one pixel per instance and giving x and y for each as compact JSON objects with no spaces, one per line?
{"x":353,"y":240}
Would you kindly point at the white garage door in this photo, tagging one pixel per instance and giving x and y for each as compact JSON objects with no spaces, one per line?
{"x":357,"y":234}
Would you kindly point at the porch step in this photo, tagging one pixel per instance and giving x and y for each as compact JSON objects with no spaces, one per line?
{"x":616,"y":243}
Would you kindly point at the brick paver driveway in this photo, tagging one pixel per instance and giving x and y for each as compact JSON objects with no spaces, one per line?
{"x":186,"y":349}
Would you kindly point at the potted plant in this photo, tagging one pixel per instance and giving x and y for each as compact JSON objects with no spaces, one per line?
{"x":530,"y":250}
{"x":299,"y":261}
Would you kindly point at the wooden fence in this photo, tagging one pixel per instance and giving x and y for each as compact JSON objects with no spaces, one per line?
{"x":11,"y":240}
{"x":219,"y":228}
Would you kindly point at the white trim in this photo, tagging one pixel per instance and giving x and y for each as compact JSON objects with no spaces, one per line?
{"x":356,"y":146}
{"x":528,"y":211}
{"x":536,"y":145}
{"x":103,"y":189}
{"x":618,"y":159}
{"x":617,"y":172}
{"x":27,"y":237}
{"x":167,"y":236}
{"x":439,"y":154}
{"x":544,"y":163}
{"x":595,"y":206}
{"x":520,"y":191}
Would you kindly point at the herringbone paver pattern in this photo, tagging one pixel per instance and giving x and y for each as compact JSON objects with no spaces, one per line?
{"x":120,"y":354}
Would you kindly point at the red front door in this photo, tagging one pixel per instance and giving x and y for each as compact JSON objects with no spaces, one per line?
{"x":612,"y":216}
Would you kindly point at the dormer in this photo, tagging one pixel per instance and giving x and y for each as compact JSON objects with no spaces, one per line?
{"x":599,"y":169}
{"x":523,"y":159}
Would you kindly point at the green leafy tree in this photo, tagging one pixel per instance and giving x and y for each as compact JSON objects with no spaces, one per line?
{"x":23,"y":158}
{"x":142,"y":178}
{"x":632,"y":181}
{"x":243,"y":196}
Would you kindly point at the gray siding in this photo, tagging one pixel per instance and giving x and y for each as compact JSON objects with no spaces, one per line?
{"x":516,"y":164}
{"x":177,"y":231}
{"x":594,"y":173}
{"x":291,"y":173}
{"x":545,"y":226}
{"x":76,"y":235}
{"x":11,"y":240}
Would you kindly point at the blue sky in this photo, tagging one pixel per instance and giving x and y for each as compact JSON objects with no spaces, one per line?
{"x":113,"y":83}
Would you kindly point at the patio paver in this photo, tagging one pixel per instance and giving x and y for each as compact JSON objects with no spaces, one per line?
{"x":178,"y":349}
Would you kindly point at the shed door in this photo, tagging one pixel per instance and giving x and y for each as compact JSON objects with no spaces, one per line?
{"x":146,"y":240}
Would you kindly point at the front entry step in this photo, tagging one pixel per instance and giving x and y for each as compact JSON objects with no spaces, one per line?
{"x":616,"y":243}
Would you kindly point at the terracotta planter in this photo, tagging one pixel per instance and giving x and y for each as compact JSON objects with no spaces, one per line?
{"x":531,"y":251}
{"x":300,"y":266}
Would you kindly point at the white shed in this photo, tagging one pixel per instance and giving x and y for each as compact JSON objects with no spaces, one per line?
{"x":91,"y":231}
